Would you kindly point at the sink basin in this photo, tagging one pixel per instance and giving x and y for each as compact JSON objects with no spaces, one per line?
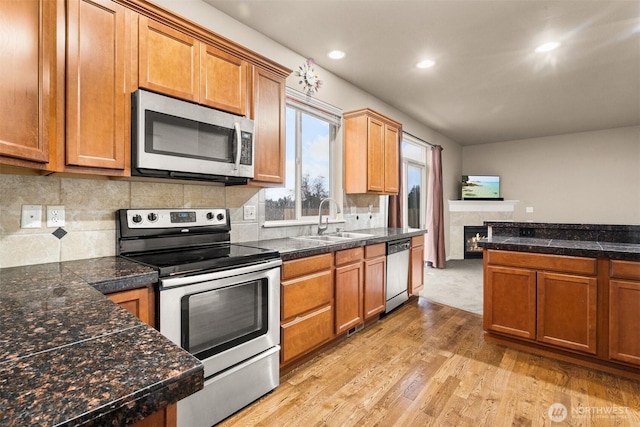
{"x":323,"y":238}
{"x":350,"y":235}
{"x":335,"y":237}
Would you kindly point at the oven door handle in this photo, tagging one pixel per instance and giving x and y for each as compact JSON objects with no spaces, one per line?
{"x":172,"y":282}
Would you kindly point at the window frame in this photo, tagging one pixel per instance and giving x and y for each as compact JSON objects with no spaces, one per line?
{"x":422,"y":164}
{"x":302,"y":103}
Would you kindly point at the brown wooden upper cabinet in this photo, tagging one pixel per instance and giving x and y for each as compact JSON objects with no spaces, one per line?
{"x":371,"y":153}
{"x":176,"y":64}
{"x":269,"y":136}
{"x":98,"y":64}
{"x":28,"y":76}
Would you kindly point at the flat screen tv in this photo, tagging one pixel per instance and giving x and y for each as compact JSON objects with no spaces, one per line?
{"x":481,"y":187}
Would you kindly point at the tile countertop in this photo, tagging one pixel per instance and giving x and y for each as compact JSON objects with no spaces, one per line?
{"x":293,"y":247}
{"x":585,"y":248}
{"x":71,"y":357}
{"x":613,"y":241}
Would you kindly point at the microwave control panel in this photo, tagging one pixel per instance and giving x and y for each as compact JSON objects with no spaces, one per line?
{"x":246,"y":153}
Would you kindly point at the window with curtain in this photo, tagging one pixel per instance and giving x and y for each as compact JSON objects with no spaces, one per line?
{"x":414,"y":175}
{"x":311,"y":129}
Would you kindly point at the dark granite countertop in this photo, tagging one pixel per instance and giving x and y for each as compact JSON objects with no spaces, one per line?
{"x":71,"y":357}
{"x":585,"y":248}
{"x":614,"y":241}
{"x":293,"y":247}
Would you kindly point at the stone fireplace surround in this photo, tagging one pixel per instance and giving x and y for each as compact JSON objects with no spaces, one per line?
{"x":474,"y":212}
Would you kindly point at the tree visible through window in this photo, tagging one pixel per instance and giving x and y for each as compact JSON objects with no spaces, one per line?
{"x":307,"y":180}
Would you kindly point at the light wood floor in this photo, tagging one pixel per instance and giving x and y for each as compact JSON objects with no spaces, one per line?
{"x":427,"y":365}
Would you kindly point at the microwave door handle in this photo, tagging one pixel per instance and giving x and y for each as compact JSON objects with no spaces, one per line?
{"x":236,"y":125}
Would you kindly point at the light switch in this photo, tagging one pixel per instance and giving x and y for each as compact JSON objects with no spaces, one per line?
{"x":31,"y":216}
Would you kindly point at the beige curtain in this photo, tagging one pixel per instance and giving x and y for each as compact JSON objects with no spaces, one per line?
{"x":434,"y":245}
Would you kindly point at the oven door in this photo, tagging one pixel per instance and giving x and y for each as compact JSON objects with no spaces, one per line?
{"x":223,"y":318}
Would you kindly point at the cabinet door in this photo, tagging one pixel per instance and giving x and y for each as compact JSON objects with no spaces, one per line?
{"x":138,"y":302}
{"x":269,"y":134}
{"x":223,"y":80}
{"x":349,"y":311}
{"x":416,"y":271}
{"x":169,"y":61}
{"x":97,"y":119}
{"x":567,"y":307}
{"x":391,"y":159}
{"x":510,"y":301}
{"x":28,"y":76}
{"x":375,"y":155}
{"x":375,"y":272}
{"x":305,"y":333}
{"x":624,"y":321}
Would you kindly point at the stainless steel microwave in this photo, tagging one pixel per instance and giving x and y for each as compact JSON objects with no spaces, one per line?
{"x":172,"y":138}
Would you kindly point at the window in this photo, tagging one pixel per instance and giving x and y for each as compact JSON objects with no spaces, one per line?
{"x":311,"y":129}
{"x":414,"y":175}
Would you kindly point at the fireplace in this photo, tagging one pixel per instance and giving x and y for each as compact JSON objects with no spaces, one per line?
{"x":472,"y":234}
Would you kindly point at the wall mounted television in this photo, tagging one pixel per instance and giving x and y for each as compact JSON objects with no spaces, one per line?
{"x":481,"y":187}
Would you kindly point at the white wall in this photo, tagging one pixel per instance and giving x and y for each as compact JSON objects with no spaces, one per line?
{"x":334,"y":91}
{"x":590,"y":177}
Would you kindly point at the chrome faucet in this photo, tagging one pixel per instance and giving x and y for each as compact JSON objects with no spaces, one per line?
{"x":321,"y":228}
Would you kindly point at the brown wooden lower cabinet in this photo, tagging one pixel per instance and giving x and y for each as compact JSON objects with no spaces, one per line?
{"x":349,"y":286}
{"x":307,"y":311}
{"x":416,"y":265}
{"x":510,"y":301}
{"x":375,"y":274}
{"x":140,"y":302}
{"x":624,"y":312}
{"x":566,"y":307}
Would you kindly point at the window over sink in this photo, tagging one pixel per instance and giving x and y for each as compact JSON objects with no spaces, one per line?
{"x":311,"y":161}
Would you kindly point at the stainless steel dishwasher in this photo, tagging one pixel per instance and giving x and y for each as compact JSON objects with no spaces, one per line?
{"x":397,"y":273}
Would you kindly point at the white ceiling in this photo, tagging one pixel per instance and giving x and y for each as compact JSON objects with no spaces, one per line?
{"x":488,"y":84}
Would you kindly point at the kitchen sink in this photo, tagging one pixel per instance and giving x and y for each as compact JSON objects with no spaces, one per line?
{"x":349,"y":235}
{"x":342,"y":236}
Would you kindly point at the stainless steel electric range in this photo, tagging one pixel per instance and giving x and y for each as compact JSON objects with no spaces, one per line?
{"x":218,"y":300}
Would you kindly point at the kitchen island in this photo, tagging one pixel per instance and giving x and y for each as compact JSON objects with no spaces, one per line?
{"x":71,"y":357}
{"x":569,"y":291}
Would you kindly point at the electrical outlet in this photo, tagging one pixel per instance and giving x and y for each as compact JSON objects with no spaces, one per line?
{"x":31,"y":216}
{"x":55,"y":216}
{"x":249,"y":213}
{"x":529,"y":209}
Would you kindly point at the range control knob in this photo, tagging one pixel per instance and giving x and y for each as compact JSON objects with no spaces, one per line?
{"x":137,"y":218}
{"x":220,"y":217}
{"x":209,"y":215}
{"x":153,"y":217}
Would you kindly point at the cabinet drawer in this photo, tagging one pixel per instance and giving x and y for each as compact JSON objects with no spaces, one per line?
{"x":349,"y":255}
{"x":306,"y":293}
{"x":372,"y":251}
{"x":625,"y":270}
{"x":306,"y":333}
{"x":567,"y":264}
{"x":417,"y":241}
{"x":308,"y":265}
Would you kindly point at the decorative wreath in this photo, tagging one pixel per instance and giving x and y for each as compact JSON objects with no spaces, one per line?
{"x":309,"y":78}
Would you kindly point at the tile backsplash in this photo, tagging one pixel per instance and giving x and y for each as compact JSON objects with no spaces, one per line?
{"x":90,"y":206}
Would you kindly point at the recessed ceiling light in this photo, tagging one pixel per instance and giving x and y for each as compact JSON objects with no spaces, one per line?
{"x":336,"y":54}
{"x":546,"y":47}
{"x":426,"y":63}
